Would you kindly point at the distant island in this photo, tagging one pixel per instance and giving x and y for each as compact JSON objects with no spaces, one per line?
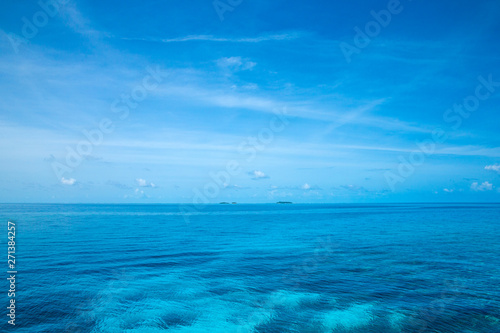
{"x":227,"y":203}
{"x":284,"y":202}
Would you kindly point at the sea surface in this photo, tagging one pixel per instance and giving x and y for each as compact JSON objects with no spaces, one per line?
{"x":254,"y":268}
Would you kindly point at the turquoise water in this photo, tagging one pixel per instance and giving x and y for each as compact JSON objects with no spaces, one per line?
{"x":256,"y":268}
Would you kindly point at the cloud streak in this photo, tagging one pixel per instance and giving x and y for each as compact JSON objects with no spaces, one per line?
{"x":212,"y":38}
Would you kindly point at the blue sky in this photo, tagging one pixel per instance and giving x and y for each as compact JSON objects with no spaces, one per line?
{"x":174,"y":92}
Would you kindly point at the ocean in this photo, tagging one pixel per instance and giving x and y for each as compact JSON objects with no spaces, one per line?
{"x":254,"y":268}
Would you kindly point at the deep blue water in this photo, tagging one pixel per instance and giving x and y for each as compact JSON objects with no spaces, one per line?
{"x":255,"y":268}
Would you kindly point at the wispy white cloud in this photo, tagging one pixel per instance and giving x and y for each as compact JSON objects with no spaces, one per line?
{"x":235,"y":64}
{"x":75,"y":20}
{"x":308,"y":187}
{"x":212,"y":38}
{"x":338,"y":113}
{"x":304,"y":187}
{"x":143,"y":183}
{"x":469,"y":151}
{"x":495,"y":167}
{"x":258,"y":175}
{"x":486,"y":186}
{"x":69,"y":181}
{"x":354,"y":188}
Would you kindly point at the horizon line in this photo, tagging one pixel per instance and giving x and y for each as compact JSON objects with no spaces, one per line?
{"x":244,"y":203}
